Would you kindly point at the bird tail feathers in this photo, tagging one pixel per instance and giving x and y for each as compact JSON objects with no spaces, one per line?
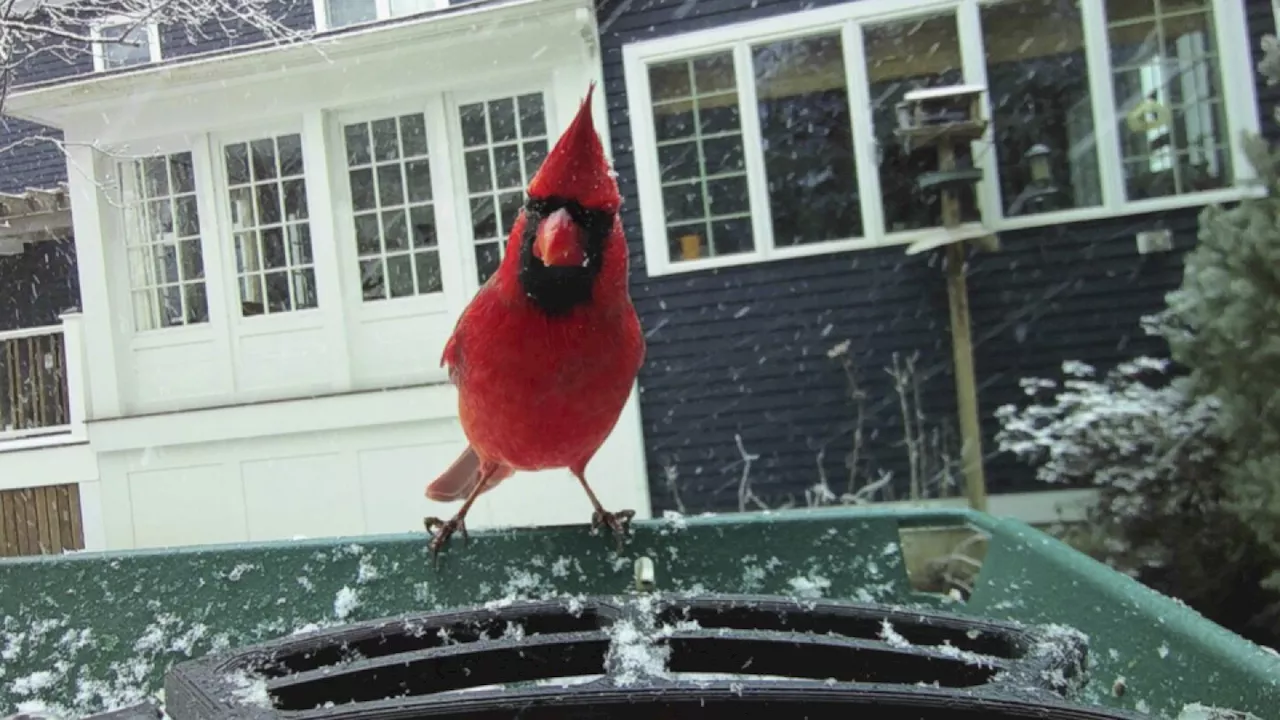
{"x":460,"y":478}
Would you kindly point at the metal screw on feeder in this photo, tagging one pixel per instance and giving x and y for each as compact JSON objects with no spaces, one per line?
{"x":645,"y":574}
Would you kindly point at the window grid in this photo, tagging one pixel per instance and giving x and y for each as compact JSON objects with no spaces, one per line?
{"x":393,"y":211}
{"x":275,"y":267}
{"x":677,"y":229}
{"x":162,"y":242}
{"x":1163,"y":149}
{"x":494,"y":200}
{"x":1095,"y":32}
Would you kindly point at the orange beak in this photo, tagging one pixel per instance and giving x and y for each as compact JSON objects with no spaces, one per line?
{"x":559,"y":241}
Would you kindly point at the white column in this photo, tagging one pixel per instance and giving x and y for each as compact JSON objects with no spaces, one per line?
{"x":74,"y":366}
{"x":328,"y":262}
{"x":92,"y":223}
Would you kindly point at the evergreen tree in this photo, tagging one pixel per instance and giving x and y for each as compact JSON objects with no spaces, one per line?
{"x":1223,"y":324}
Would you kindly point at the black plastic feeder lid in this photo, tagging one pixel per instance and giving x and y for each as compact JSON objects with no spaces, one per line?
{"x":663,"y":657}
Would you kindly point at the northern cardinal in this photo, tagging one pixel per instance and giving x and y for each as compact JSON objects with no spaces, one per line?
{"x":545,"y":354}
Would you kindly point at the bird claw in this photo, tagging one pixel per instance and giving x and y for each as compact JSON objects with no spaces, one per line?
{"x":440,"y":532}
{"x":619,"y":522}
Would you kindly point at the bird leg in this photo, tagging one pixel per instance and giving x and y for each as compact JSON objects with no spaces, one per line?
{"x":441,"y":530}
{"x":619,"y":521}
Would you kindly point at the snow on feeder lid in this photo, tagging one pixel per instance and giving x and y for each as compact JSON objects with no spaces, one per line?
{"x":649,"y":656}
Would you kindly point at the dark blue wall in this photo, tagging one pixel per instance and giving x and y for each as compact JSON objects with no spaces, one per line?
{"x":742,"y":350}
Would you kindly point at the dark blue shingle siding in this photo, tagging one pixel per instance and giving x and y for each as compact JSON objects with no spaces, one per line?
{"x":1064,"y":292}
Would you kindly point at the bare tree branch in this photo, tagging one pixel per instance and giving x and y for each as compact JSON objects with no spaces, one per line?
{"x":38,"y":36}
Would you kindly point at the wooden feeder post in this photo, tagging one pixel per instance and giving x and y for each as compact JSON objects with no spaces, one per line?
{"x":942,"y":118}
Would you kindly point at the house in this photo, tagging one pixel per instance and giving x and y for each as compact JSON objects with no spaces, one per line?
{"x":269,"y":257}
{"x":243,"y":373}
{"x":770,"y":204}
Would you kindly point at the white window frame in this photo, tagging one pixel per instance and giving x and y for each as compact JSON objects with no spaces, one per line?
{"x":265,"y":323}
{"x":99,"y":52}
{"x":440,"y":162}
{"x":382,"y":9}
{"x":457,"y":154}
{"x":1239,"y":100}
{"x":118,"y":260}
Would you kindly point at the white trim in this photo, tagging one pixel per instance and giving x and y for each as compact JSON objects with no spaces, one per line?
{"x":1239,"y":101}
{"x":95,"y":35}
{"x":244,"y":421}
{"x":326,"y":255}
{"x":92,"y":524}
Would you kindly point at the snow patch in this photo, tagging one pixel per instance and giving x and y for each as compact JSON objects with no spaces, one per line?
{"x":345,"y":602}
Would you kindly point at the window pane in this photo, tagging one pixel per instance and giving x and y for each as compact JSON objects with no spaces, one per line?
{"x":162,"y":240}
{"x":427,"y":267}
{"x":391,"y":201}
{"x":371,"y":280}
{"x":1041,"y":107}
{"x":399,"y":8}
{"x":506,"y":143}
{"x":348,"y":12}
{"x":696,"y":118}
{"x":488,"y":256}
{"x":187,"y":221}
{"x":182,"y":172}
{"x":807,"y":138}
{"x":121,"y":49}
{"x":902,"y":56}
{"x":192,"y":266}
{"x":273,"y":242}
{"x":1167,"y":83}
{"x":237,"y":163}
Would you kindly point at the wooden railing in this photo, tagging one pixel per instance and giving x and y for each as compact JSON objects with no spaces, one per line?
{"x":40,"y":521}
{"x":34,"y":396}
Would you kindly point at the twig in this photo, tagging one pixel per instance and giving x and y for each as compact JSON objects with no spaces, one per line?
{"x":744,"y":483}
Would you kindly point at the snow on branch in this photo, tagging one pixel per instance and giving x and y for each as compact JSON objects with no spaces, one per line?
{"x":1126,"y":431}
{"x":65,"y":29}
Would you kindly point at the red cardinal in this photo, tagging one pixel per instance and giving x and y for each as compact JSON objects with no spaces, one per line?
{"x":545,"y":354}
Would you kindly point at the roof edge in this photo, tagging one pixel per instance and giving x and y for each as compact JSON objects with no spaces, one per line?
{"x":52,"y":102}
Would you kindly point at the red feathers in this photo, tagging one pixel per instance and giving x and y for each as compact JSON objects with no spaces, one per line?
{"x":577,"y":168}
{"x":545,"y":355}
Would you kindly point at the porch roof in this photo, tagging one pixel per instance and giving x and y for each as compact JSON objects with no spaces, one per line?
{"x":33,"y":212}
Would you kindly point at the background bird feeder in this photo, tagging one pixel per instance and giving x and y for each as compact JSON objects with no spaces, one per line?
{"x":943,"y":118}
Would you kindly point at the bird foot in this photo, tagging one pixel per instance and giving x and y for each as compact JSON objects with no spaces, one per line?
{"x":440,"y":532}
{"x":619,"y":522}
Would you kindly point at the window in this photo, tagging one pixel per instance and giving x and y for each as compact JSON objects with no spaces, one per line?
{"x":802,"y":108}
{"x":504,"y":143}
{"x":778,"y":138}
{"x":272,"y":237}
{"x":393,"y":214}
{"x":122,"y":42}
{"x":162,"y":240}
{"x":1167,"y":78}
{"x":902,"y":56}
{"x":1042,"y":112}
{"x":341,"y":13}
{"x":699,"y":138}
